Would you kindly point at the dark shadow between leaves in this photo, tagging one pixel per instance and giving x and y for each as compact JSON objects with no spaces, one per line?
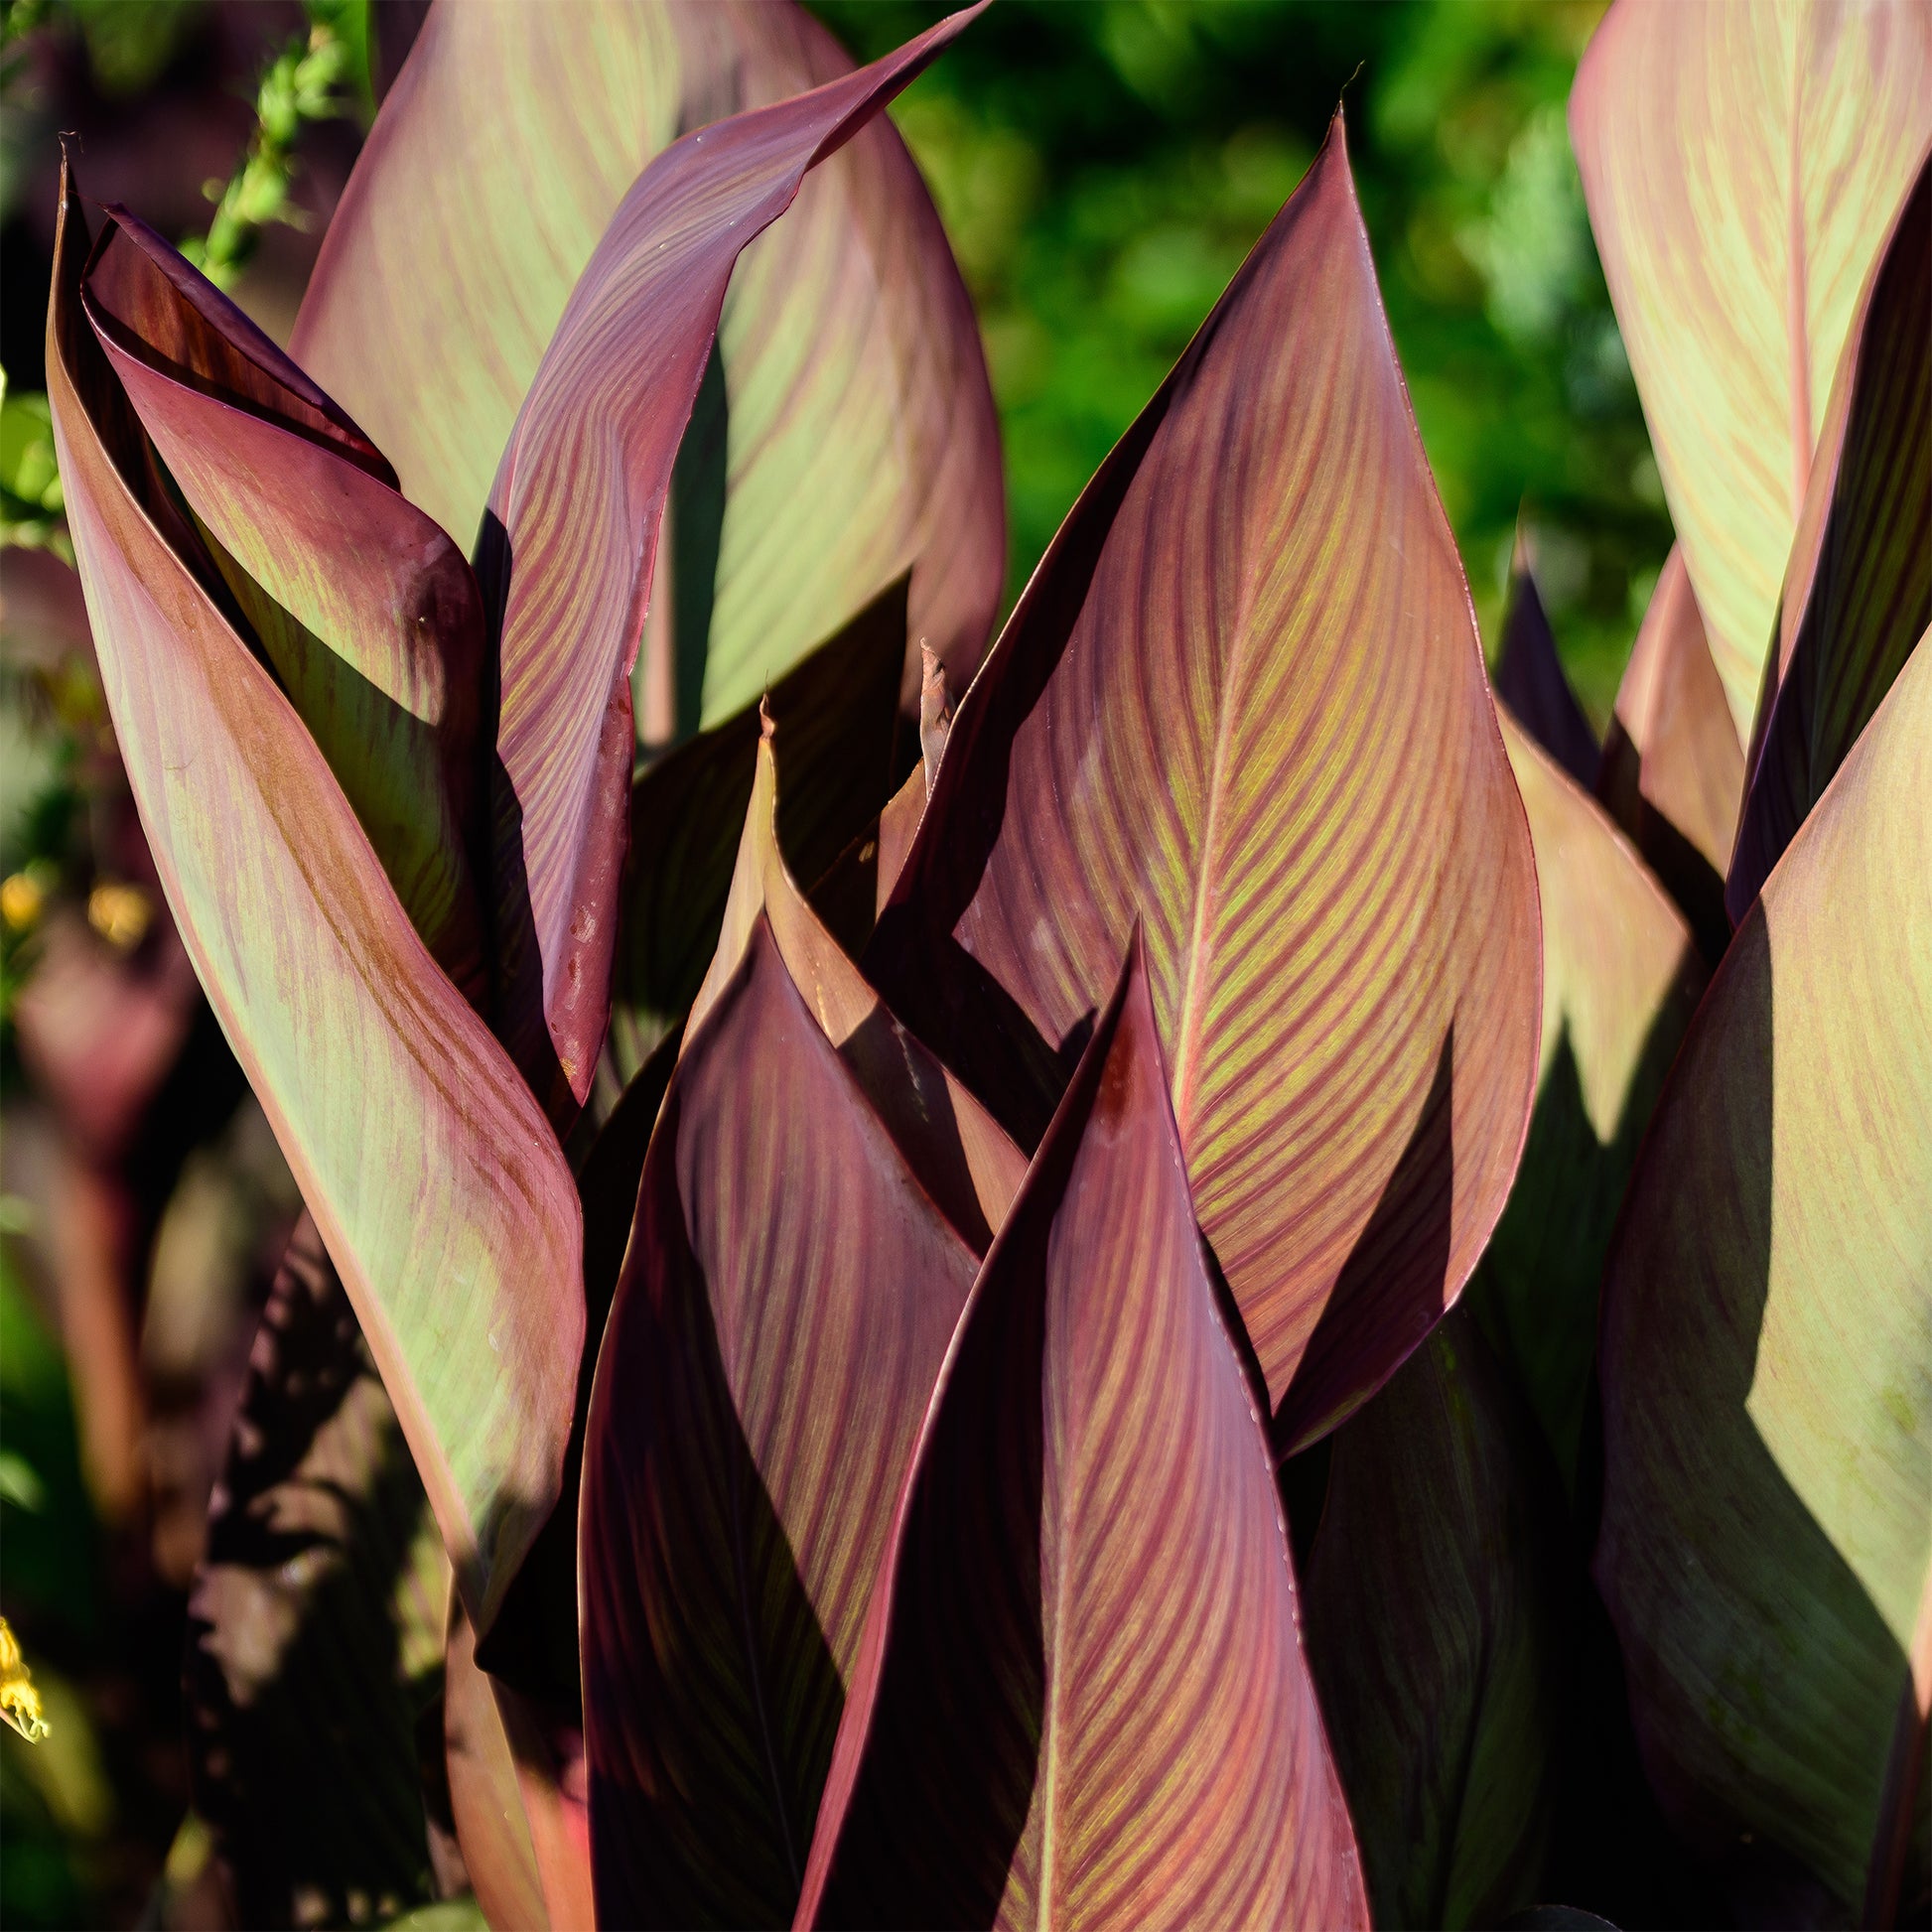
{"x":712,"y":1700}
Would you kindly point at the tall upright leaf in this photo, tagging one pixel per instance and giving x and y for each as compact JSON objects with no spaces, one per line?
{"x":440,"y":1192}
{"x":848,"y":431}
{"x":1741,"y":164}
{"x":1531,"y":681}
{"x":572,"y":533}
{"x":1081,"y":1697}
{"x":1859,"y":590}
{"x":1673,"y":772}
{"x":1434,"y":1618}
{"x":1766,"y":1551}
{"x":785,"y":1268}
{"x":1242,"y":701}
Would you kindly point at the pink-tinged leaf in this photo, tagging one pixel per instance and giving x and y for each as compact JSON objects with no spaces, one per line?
{"x":1766,"y":1364}
{"x":785,"y":1268}
{"x":440,"y":1192}
{"x":1529,"y":678}
{"x":574,"y":532}
{"x":1242,"y":701}
{"x":850,"y":433}
{"x":315,"y":1629}
{"x":1672,"y":769}
{"x":519,"y":1802}
{"x":1434,"y":1624}
{"x":839,"y":713}
{"x":366,"y":611}
{"x":1741,"y":165}
{"x":1082,"y":1698}
{"x":1859,"y":590}
{"x":1620,"y":979}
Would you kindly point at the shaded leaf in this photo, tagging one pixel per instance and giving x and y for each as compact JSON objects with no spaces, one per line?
{"x":572,"y":533}
{"x":1434,"y":1620}
{"x":1673,"y":773}
{"x":839,"y":712}
{"x":367,"y":614}
{"x":1740,"y":166}
{"x":1529,"y":679}
{"x":1767,"y":1348}
{"x":316,"y":1624}
{"x":854,"y":433}
{"x":1620,"y":979}
{"x":1082,"y":1698}
{"x":1858,"y":593}
{"x":1242,"y":701}
{"x":785,"y":1268}
{"x":433,"y":1176}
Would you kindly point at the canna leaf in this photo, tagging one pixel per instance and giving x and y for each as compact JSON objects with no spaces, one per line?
{"x":1620,"y":979}
{"x":441,"y":1193}
{"x":1435,"y":1629}
{"x":839,"y":712}
{"x":1530,"y":680}
{"x":1673,"y":772}
{"x":1767,"y":1552}
{"x":368,"y":613}
{"x":1740,"y":164}
{"x":1242,"y":701}
{"x":1859,"y":590}
{"x":1081,"y":1697}
{"x":315,"y":1633}
{"x":785,"y":1267}
{"x":571,"y":531}
{"x":846,"y":432}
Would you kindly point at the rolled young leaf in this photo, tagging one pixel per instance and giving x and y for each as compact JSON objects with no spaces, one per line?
{"x":1767,"y":1552}
{"x":1433,"y":1619}
{"x":1082,"y":1698}
{"x":848,"y":432}
{"x":573,"y":533}
{"x":1242,"y":701}
{"x":314,"y":1632}
{"x":1859,"y":590}
{"x":1530,"y":680}
{"x":1620,"y":979}
{"x":1673,"y":772}
{"x":785,"y":1267}
{"x":1740,"y":164}
{"x":440,"y":1192}
{"x":368,"y":614}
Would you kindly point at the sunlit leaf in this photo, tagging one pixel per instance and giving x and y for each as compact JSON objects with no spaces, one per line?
{"x":1767,"y":1351}
{"x":430,"y":1170}
{"x":1242,"y":701}
{"x":1859,"y":590}
{"x":572,"y":533}
{"x":1081,"y":1697}
{"x":1741,"y":165}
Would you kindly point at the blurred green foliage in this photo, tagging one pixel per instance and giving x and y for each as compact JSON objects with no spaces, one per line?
{"x":1103,"y":166}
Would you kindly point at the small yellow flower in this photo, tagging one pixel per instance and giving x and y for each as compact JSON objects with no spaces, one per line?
{"x":21,"y":898}
{"x":20,"y":1703}
{"x":121,"y":914}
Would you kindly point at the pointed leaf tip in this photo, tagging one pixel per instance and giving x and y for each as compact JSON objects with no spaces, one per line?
{"x":1081,"y":1697}
{"x":1251,"y":774}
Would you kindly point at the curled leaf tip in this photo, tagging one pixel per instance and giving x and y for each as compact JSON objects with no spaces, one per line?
{"x":767,"y":725}
{"x":20,"y":1703}
{"x":935,"y":710}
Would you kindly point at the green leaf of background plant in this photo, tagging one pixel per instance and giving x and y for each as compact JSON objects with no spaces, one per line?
{"x":1433,"y":1614}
